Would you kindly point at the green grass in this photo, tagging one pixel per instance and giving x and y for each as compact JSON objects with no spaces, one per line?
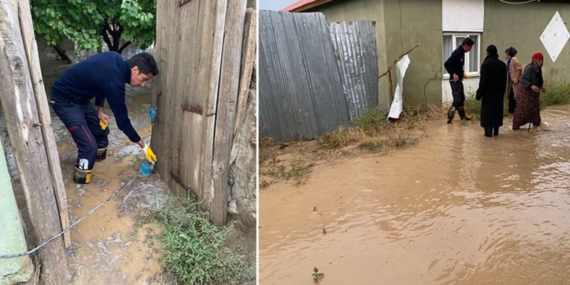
{"x":392,"y":142}
{"x":473,"y":107}
{"x":373,"y":131}
{"x":193,"y":247}
{"x":297,"y":171}
{"x":558,"y":95}
{"x":341,"y":138}
{"x":263,"y":158}
{"x":373,"y":121}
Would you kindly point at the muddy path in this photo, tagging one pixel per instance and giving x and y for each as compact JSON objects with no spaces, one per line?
{"x":459,"y":208}
{"x":111,"y":246}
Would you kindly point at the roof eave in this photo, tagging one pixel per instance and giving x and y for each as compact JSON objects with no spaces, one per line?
{"x":305,"y":7}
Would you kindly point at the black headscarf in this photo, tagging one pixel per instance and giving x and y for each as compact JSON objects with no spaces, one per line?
{"x":492,"y":50}
{"x":511,"y":51}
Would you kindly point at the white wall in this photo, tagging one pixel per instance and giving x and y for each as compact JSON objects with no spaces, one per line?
{"x":470,"y":86}
{"x":463,"y":15}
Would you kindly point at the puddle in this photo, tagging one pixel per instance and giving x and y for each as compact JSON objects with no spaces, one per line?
{"x":459,"y":208}
{"x":110,"y":246}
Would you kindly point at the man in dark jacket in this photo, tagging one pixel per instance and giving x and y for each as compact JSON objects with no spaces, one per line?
{"x":491,"y":92}
{"x":103,"y":77}
{"x":454,"y":66}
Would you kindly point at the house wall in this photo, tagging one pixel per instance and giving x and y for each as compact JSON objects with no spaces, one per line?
{"x":12,"y":270}
{"x":407,"y":24}
{"x":469,"y":86}
{"x":456,"y":11}
{"x":521,"y":26}
{"x":398,"y":30}
{"x":453,"y":14}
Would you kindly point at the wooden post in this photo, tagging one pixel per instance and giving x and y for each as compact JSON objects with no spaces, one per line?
{"x":31,"y":47}
{"x":20,"y":111}
{"x":226,"y":111}
{"x":247,"y":62}
{"x":207,"y":156}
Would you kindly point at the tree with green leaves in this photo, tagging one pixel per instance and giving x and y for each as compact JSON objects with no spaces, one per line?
{"x":89,"y":23}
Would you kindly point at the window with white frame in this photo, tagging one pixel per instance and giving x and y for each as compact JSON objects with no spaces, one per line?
{"x":472,"y":62}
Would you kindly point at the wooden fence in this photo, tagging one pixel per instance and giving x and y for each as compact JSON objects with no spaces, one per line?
{"x":205,"y":57}
{"x":28,"y":121}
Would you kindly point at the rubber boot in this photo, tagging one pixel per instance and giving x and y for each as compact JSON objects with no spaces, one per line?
{"x":461,"y":111}
{"x":489,"y":132}
{"x":82,"y":176}
{"x":101,"y":154}
{"x":496,"y":131}
{"x":450,"y":114}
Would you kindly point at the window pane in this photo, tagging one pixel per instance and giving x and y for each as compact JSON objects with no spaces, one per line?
{"x":474,"y":55}
{"x":458,"y":41}
{"x":447,"y":49}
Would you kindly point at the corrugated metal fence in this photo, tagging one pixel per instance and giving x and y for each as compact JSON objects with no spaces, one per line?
{"x":355,"y":48}
{"x":302,"y":94}
{"x":300,"y":97}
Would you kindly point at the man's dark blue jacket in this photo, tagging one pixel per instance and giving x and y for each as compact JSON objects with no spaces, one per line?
{"x":455,"y":63}
{"x":102,"y":76}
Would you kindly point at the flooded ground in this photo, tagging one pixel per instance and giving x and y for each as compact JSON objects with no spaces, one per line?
{"x":459,"y":208}
{"x":112,"y":246}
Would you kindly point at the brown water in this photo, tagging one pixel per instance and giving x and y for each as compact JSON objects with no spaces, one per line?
{"x":459,"y":208}
{"x":110,"y":246}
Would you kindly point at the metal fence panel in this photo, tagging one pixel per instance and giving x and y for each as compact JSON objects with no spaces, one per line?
{"x":324,"y":79}
{"x":357,"y":58}
{"x":300,"y":90}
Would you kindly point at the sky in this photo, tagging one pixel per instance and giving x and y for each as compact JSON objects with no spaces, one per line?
{"x":275,"y":5}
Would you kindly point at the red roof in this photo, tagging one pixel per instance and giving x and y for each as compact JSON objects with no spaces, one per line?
{"x":304,"y":5}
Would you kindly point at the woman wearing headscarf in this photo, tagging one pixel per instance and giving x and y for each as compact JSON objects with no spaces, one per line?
{"x":491,"y":91}
{"x":531,"y":84}
{"x":514,"y":73}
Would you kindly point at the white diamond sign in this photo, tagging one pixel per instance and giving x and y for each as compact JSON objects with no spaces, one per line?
{"x":555,"y":36}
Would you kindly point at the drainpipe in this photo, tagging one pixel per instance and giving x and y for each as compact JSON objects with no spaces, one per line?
{"x":12,"y":239}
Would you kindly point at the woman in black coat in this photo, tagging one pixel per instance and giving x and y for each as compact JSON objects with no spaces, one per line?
{"x":491,"y":92}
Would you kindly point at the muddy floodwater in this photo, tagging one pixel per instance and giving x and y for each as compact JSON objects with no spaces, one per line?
{"x":459,"y":208}
{"x":110,"y":246}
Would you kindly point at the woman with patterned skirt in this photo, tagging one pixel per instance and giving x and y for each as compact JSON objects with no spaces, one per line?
{"x":531,"y":84}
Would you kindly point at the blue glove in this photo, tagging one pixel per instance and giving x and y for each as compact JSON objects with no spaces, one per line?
{"x":152,"y":114}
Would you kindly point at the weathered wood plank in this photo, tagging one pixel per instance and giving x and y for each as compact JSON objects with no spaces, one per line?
{"x":207,"y":155}
{"x":167,"y":32}
{"x":227,"y":104}
{"x":190,"y":103}
{"x":31,"y":47}
{"x":247,"y":63}
{"x":157,"y":87}
{"x":207,"y":50}
{"x":20,"y":111}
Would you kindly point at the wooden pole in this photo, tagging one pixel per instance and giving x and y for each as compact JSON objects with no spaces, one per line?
{"x":391,"y":89}
{"x":207,"y":156}
{"x":31,"y":47}
{"x":20,"y":112}
{"x":247,"y":62}
{"x":396,"y":61}
{"x":227,"y":104}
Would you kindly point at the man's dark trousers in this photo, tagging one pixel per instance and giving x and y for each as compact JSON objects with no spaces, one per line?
{"x":82,"y":122}
{"x":458,"y":100}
